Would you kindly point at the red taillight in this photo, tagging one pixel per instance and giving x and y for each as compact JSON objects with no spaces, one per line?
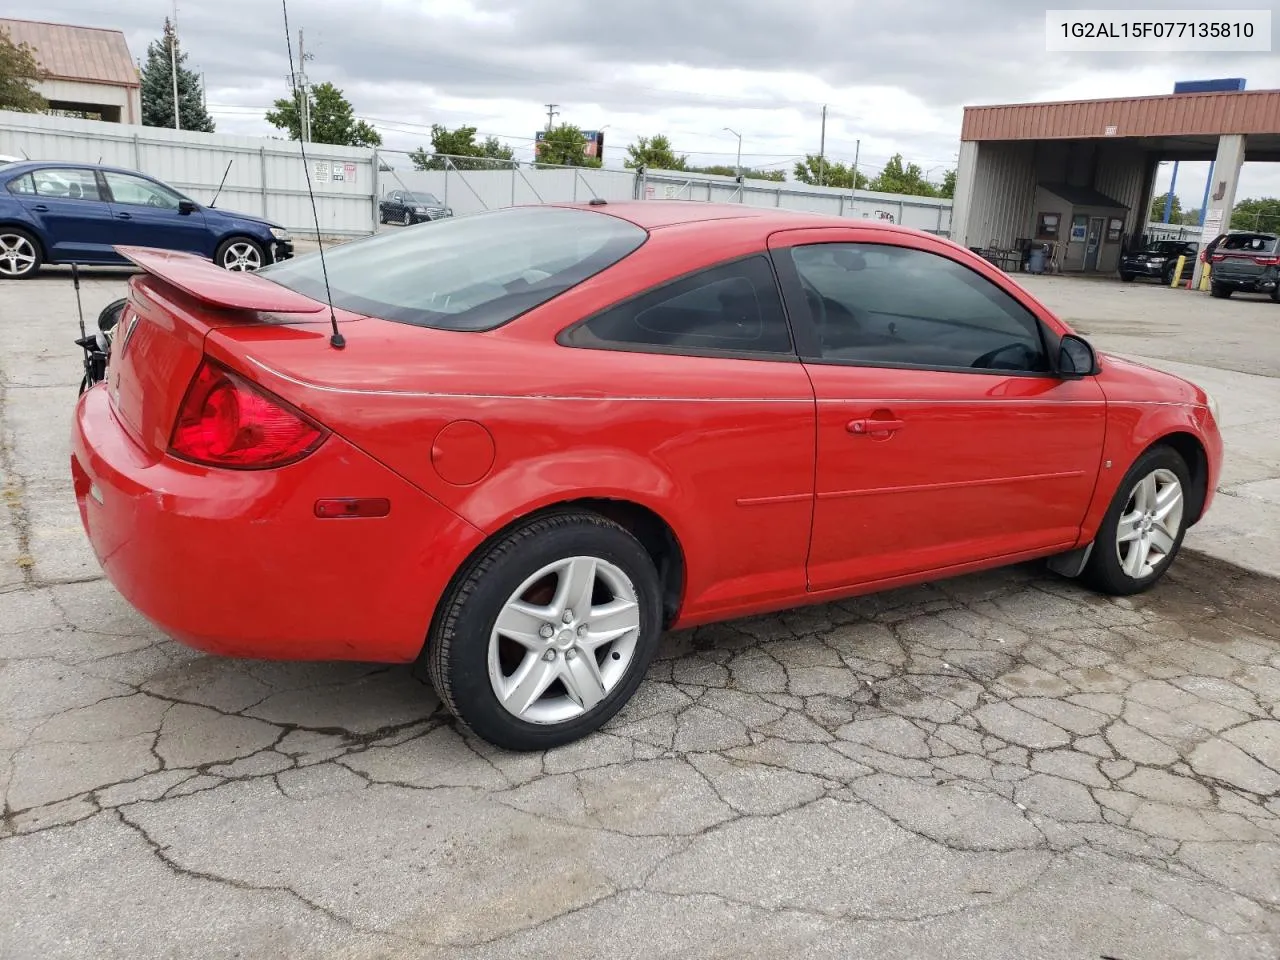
{"x":1219,"y":257}
{"x":225,"y":421}
{"x":1267,"y":261}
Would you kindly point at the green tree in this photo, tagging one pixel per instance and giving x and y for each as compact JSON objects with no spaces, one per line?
{"x":19,"y":72}
{"x":565,"y":146}
{"x":815,"y":170}
{"x":654,"y":153}
{"x":1262,"y":214}
{"x":725,"y":170}
{"x":157,"y":87}
{"x":948,"y":185}
{"x":1156,"y":214}
{"x":460,"y":146}
{"x":332,"y":119}
{"x":908,"y":179}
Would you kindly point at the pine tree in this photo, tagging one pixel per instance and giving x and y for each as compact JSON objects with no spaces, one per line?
{"x":157,"y":88}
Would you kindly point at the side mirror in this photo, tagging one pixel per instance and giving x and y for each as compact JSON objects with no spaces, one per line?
{"x":1076,"y":358}
{"x":186,"y":207}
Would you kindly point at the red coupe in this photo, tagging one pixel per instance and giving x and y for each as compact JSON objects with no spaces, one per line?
{"x":556,"y":431}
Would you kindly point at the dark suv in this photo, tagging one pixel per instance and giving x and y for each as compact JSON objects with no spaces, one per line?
{"x":1158,"y":260}
{"x":1246,"y":262}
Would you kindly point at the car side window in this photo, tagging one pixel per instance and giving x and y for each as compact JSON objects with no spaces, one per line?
{"x":23,"y":185}
{"x":136,"y":191}
{"x":882,"y":305}
{"x":734,"y":308}
{"x":61,"y":183}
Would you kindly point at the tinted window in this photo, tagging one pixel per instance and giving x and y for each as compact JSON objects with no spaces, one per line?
{"x":891,"y":306}
{"x":61,"y":183}
{"x":136,"y":190}
{"x":734,"y":308}
{"x":1249,"y":242}
{"x":465,"y":273}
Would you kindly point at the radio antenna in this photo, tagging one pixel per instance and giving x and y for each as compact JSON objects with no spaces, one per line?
{"x":336,"y":340}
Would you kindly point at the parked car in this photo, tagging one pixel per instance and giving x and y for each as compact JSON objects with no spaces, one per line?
{"x":79,"y":213}
{"x":1157,"y":261}
{"x":4,"y":158}
{"x":406,"y":207}
{"x":1246,"y":263}
{"x":555,"y":431}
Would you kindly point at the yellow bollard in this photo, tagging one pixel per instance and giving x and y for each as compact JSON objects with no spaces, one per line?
{"x":1204,"y":277}
{"x":1177,"y":271}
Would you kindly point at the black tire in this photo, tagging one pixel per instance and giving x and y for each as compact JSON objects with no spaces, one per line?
{"x":1104,"y":572}
{"x":1127,"y":277}
{"x":1167,"y":277}
{"x":1275,"y":292}
{"x":17,"y":234}
{"x":1219,"y":291}
{"x":220,"y":256}
{"x":407,"y":219}
{"x":456,"y":653}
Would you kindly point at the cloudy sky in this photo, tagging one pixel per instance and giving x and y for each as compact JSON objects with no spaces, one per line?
{"x":894,"y":75}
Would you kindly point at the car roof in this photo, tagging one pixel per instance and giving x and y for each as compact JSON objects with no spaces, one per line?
{"x":25,"y":165}
{"x":659,"y":214}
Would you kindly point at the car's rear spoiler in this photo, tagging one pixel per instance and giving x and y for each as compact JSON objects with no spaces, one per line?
{"x":211,"y":284}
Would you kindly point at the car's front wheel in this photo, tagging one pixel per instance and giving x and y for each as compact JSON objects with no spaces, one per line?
{"x":1127,"y":277}
{"x":19,"y":254}
{"x":1144,"y":526}
{"x":240,"y":254}
{"x":548,"y":634}
{"x":407,"y":218}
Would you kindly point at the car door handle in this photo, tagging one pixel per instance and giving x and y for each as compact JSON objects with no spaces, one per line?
{"x":124,"y":216}
{"x":40,"y":208}
{"x":864,"y":428}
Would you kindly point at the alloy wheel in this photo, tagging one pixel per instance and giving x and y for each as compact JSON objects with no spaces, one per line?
{"x":1150,"y":524}
{"x":564,"y":639}
{"x":406,"y":219}
{"x":17,"y":255}
{"x":242,"y":256}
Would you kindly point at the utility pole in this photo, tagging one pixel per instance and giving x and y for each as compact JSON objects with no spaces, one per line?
{"x":738,"y":166}
{"x":173,"y":67}
{"x":857,"y":151}
{"x":822,"y":150}
{"x":304,"y":95}
{"x":552,"y":113}
{"x":204,"y":93}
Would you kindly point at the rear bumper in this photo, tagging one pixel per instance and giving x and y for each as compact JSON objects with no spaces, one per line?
{"x":1260,"y":284}
{"x":236,"y":563}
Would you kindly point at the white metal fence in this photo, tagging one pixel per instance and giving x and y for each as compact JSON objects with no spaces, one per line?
{"x":266,"y":177}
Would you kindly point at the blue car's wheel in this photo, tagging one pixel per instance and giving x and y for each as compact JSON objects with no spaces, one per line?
{"x":240,"y":253}
{"x":20,"y":255}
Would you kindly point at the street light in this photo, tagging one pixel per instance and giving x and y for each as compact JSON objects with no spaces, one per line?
{"x":739,"y":136}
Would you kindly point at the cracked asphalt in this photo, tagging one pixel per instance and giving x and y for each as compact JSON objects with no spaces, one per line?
{"x":998,"y":766}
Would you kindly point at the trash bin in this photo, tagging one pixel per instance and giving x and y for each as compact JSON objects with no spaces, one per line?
{"x":1035,"y":264}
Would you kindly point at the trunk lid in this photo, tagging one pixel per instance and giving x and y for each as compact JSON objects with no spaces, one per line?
{"x":1245,"y":256}
{"x":159,"y":343}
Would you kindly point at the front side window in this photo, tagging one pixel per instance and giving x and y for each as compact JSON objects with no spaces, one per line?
{"x":882,"y":305}
{"x":465,"y":273}
{"x":61,"y":183}
{"x":140,"y":192}
{"x":733,"y":308}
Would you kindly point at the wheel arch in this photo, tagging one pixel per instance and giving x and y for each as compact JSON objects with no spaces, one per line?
{"x":1190,"y":448}
{"x":654,"y":532}
{"x":30,"y":231}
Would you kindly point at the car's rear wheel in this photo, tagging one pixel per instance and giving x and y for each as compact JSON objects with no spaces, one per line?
{"x":548,"y":634}
{"x":1142,"y":531}
{"x":240,"y":254}
{"x":1219,"y":291}
{"x":20,"y":255}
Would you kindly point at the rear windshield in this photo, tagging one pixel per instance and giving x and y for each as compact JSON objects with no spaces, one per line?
{"x":1249,"y":242}
{"x":465,"y":273}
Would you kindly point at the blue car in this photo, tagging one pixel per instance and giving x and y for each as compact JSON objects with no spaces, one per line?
{"x":78,"y":212}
